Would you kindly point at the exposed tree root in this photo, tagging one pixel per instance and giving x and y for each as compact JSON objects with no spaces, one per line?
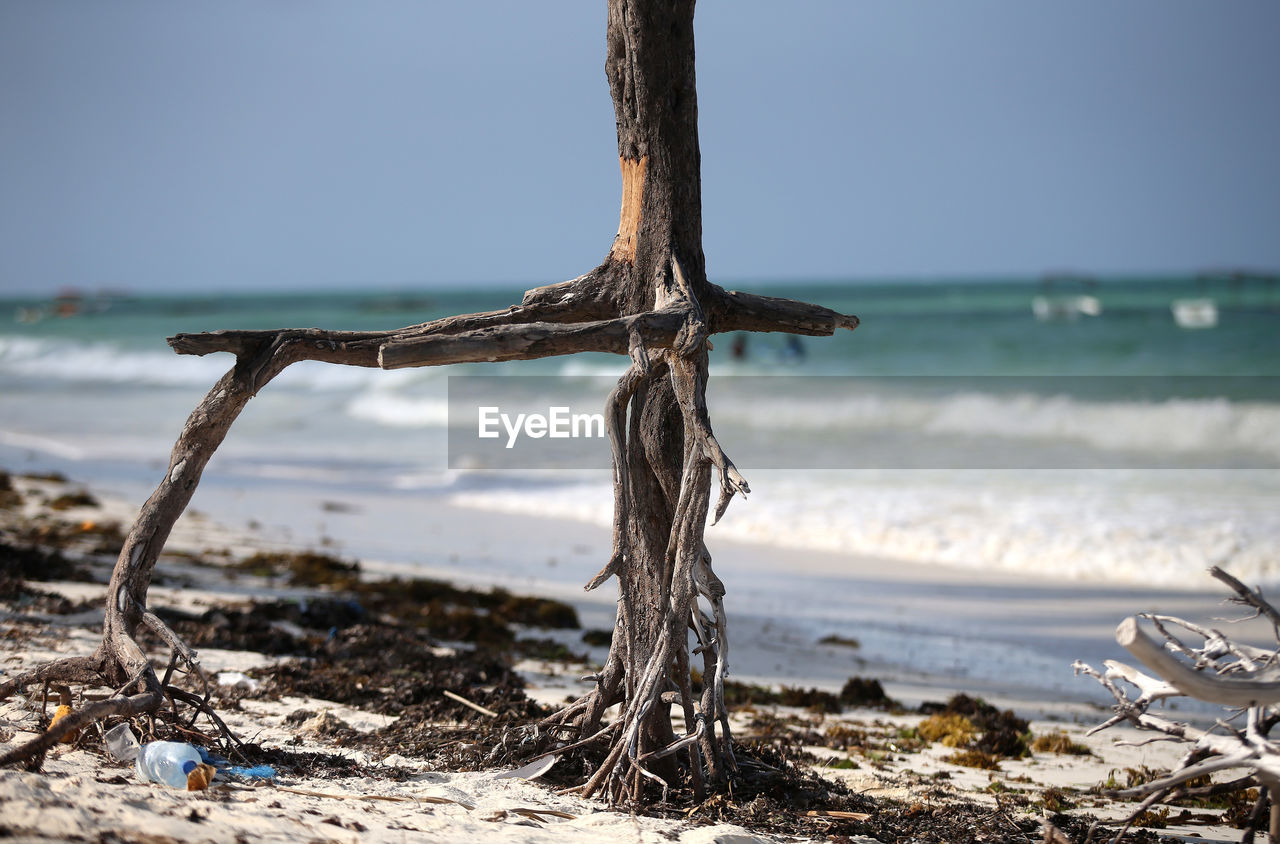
{"x":149,"y":694}
{"x":662,"y":678}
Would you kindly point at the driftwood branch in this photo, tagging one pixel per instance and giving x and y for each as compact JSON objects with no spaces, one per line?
{"x":1221,"y":671}
{"x":551,"y":321}
{"x":1227,"y":691}
{"x":616,"y":426}
{"x":360,"y":348}
{"x":32,"y":752}
{"x":1247,"y":596}
{"x":75,"y":669}
{"x":527,"y":341}
{"x":731,"y":310}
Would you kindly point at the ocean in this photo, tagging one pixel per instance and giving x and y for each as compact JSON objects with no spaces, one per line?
{"x":1069,"y":428}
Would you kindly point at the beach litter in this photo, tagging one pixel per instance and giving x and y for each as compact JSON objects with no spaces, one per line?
{"x":531,"y":771}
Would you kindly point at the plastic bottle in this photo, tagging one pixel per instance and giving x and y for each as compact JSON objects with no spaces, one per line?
{"x":167,"y":762}
{"x":121,"y":743}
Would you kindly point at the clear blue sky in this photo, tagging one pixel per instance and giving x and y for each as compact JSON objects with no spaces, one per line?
{"x":280,"y":144}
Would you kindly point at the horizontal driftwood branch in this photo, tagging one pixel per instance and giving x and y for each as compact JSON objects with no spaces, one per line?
{"x":562,"y":302}
{"x":553,"y":320}
{"x":1224,"y":690}
{"x":533,"y":340}
{"x":125,"y":706}
{"x":736,"y":311}
{"x":337,"y":346}
{"x":352,"y":348}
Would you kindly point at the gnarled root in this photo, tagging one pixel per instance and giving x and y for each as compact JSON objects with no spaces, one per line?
{"x":119,"y":661}
{"x":643,"y":747}
{"x":143,"y":693}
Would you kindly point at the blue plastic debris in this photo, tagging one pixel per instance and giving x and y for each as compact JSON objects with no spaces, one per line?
{"x":257,"y":772}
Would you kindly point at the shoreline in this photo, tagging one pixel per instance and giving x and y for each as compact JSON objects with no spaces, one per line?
{"x":923,"y":630}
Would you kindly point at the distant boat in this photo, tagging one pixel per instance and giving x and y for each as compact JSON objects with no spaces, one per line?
{"x":1053,"y":308}
{"x":1195,"y":313}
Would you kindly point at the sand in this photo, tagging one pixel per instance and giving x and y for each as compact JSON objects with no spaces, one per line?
{"x":82,"y":795}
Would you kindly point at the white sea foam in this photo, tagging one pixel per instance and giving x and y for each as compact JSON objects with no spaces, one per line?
{"x":42,"y":444}
{"x":575,"y":367}
{"x":74,"y":361}
{"x":400,"y":411}
{"x":1176,"y":426}
{"x":1173,"y":425}
{"x":66,"y":360}
{"x":1156,"y":529}
{"x":318,"y":422}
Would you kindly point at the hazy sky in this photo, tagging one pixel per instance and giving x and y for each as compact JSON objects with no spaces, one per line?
{"x":290,"y":144}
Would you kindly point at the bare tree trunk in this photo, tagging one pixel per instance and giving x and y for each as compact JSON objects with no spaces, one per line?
{"x":650,"y":68}
{"x":650,"y":299}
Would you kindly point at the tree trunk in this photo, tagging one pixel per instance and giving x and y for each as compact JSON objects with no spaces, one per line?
{"x":650,"y":68}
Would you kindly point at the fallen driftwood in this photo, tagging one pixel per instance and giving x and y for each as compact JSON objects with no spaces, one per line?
{"x":454,"y":696}
{"x":1243,"y":678}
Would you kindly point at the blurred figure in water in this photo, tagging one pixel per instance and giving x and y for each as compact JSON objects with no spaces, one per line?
{"x":738,"y":349}
{"x":793,"y":352}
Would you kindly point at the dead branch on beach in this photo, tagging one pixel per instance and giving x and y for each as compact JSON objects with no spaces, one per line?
{"x":1211,"y":667}
{"x":649,"y":300}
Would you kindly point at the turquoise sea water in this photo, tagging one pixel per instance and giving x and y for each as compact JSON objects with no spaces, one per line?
{"x":1128,"y":447}
{"x":920,"y":328}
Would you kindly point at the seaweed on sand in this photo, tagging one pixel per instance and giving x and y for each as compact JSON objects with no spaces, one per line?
{"x":982,"y":733}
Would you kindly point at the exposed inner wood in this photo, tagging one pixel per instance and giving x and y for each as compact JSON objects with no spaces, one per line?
{"x":624,"y":244}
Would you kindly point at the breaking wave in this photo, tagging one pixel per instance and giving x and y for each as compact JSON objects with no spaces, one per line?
{"x":1153,"y":531}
